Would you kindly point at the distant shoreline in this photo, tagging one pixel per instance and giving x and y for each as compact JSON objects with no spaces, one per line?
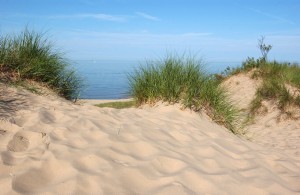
{"x":108,"y":79}
{"x":101,"y":101}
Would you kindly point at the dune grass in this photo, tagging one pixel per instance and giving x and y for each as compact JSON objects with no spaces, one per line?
{"x":280,"y":81}
{"x":118,"y":105}
{"x":275,"y":78}
{"x":31,"y":56}
{"x":181,"y":79}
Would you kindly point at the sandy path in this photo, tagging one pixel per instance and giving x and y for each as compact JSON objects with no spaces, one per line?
{"x":55,"y":147}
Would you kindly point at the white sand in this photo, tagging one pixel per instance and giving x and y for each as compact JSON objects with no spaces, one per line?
{"x":51,"y":146}
{"x":242,"y":89}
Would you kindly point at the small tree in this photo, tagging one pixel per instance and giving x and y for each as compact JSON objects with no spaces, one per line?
{"x":264,"y":49}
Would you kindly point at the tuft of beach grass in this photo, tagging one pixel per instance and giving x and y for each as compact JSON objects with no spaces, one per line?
{"x":280,"y":80}
{"x":182,"y":79}
{"x":280,"y":83}
{"x":31,"y":56}
{"x":276,"y":78}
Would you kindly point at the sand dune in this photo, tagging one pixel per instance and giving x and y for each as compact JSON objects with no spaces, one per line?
{"x":271,"y":128}
{"x":51,"y":146}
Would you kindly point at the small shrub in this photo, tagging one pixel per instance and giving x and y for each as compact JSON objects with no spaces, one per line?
{"x":250,"y":63}
{"x":264,"y":49}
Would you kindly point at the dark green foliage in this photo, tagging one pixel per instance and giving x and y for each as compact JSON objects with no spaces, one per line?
{"x":30,"y":56}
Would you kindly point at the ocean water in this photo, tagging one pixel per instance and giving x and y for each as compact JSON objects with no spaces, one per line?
{"x":105,"y":79}
{"x":108,"y":79}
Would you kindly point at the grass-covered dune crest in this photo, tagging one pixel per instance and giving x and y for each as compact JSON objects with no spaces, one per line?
{"x":31,"y":56}
{"x":183,"y":79}
{"x":280,"y":82}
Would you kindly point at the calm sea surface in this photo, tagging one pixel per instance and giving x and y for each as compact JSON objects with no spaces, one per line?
{"x":108,"y":79}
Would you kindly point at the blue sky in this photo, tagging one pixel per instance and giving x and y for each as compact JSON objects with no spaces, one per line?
{"x":216,"y":30}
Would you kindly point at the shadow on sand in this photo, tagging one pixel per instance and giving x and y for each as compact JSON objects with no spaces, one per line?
{"x":11,"y":101}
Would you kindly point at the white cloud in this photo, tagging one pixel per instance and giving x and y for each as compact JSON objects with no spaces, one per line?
{"x":147,"y":16}
{"x":100,"y":16}
{"x":277,"y":18}
{"x":97,"y":16}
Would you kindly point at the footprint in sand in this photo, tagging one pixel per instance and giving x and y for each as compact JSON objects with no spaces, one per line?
{"x":24,"y":145}
{"x":168,"y":165}
{"x":19,"y":143}
{"x":2,"y":132}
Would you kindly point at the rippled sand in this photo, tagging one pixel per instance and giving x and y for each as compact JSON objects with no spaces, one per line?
{"x":51,"y":146}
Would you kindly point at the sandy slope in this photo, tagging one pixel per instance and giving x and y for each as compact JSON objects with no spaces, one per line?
{"x":271,"y":128}
{"x":51,"y":146}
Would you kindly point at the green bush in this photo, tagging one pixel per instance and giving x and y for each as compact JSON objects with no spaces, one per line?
{"x":31,"y":56}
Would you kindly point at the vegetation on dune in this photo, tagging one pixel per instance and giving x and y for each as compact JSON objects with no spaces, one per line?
{"x":182,"y":80}
{"x":30,"y":56}
{"x":118,"y":105}
{"x":175,"y":79}
{"x":275,"y":76}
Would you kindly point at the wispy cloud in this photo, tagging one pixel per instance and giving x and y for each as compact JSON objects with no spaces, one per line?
{"x":94,"y":44}
{"x":100,"y":16}
{"x":277,"y":18}
{"x":143,"y":35}
{"x":147,"y":16}
{"x":97,"y":16}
